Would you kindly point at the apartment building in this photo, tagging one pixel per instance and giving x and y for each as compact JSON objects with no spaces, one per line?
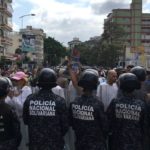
{"x":32,"y":42}
{"x":5,"y":26}
{"x":74,"y":42}
{"x":137,"y":26}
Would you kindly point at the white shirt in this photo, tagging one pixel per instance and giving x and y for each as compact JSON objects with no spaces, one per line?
{"x":72,"y":92}
{"x":106,"y":93}
{"x":102,"y":80}
{"x":17,"y":101}
{"x":58,"y":91}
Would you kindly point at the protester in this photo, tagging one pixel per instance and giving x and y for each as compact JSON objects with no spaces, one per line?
{"x":46,"y":115}
{"x":108,"y":90}
{"x":87,"y":115}
{"x":17,"y":98}
{"x":102,"y":76}
{"x":20,"y":93}
{"x":60,"y":88}
{"x":10,"y":135}
{"x":74,"y":90}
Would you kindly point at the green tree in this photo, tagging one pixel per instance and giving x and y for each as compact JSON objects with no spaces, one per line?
{"x":105,"y":51}
{"x":112,"y":43}
{"x":89,"y":51}
{"x":53,"y":51}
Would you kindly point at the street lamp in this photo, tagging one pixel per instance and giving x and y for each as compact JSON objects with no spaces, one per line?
{"x":21,"y":17}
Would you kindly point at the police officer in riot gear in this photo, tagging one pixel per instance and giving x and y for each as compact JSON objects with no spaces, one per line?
{"x":87,"y":116}
{"x":10,"y":135}
{"x":140,"y":73}
{"x":127,"y":117}
{"x":46,"y":115}
{"x":142,"y":94}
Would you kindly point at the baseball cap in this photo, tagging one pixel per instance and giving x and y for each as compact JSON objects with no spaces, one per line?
{"x":19,"y":75}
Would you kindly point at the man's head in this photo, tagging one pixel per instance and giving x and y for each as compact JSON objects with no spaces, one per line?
{"x":62,"y":82}
{"x":20,"y":79}
{"x":111,"y":76}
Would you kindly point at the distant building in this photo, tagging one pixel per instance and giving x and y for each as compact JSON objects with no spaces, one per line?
{"x":16,"y":42}
{"x":5,"y":26}
{"x":95,"y":38}
{"x":32,"y":42}
{"x":137,"y":26}
{"x":74,"y":42}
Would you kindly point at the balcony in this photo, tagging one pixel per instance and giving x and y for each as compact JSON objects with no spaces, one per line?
{"x":39,"y":42}
{"x":7,"y":9}
{"x":6,"y":26}
{"x":6,"y":41}
{"x":145,"y":25}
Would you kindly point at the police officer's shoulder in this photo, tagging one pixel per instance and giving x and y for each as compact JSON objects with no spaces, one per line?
{"x":116,"y":100}
{"x":31,"y":97}
{"x":98,"y":102}
{"x":7,"y":108}
{"x":140,"y":102}
{"x":77,"y":100}
{"x":59,"y":100}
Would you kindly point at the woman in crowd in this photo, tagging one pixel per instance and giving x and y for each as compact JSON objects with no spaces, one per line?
{"x":16,"y":99}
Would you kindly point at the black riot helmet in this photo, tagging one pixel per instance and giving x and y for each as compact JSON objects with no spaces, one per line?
{"x":140,"y":72}
{"x":128,"y":82}
{"x":89,"y":79}
{"x":5,"y":85}
{"x":47,"y":78}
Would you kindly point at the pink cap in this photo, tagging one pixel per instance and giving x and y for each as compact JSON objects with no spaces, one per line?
{"x":19,"y":75}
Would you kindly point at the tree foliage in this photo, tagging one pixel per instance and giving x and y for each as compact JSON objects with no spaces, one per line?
{"x":105,"y":51}
{"x":112,"y":43}
{"x":89,"y":52}
{"x":53,"y":51}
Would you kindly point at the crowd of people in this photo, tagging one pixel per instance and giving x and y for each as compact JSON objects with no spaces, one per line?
{"x":88,"y":109}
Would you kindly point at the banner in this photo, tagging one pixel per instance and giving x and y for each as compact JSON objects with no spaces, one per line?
{"x":28,"y":42}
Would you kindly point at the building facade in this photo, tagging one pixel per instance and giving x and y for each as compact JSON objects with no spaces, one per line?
{"x":74,"y":42}
{"x":137,"y":26}
{"x":34,"y":40}
{"x":5,"y":26}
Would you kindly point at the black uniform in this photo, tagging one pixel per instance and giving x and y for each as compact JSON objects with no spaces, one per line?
{"x":47,"y":118}
{"x":89,"y":123}
{"x":10,"y":135}
{"x":128,"y":123}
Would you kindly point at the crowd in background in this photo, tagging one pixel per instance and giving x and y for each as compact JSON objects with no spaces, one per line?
{"x":84,"y":109}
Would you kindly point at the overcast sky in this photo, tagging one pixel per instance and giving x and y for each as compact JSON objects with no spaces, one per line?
{"x":65,"y":19}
